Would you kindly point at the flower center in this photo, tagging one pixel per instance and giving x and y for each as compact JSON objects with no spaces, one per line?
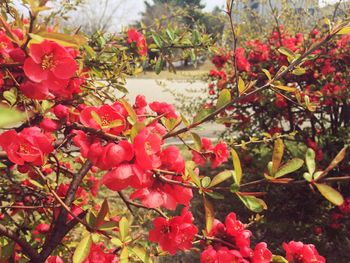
{"x":24,"y":148}
{"x":105,"y":120}
{"x":3,"y":45}
{"x":148,"y":148}
{"x":48,"y":62}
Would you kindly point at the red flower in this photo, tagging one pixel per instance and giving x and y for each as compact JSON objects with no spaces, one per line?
{"x":97,"y":255}
{"x":54,"y":259}
{"x":163,"y":108}
{"x":42,"y":228}
{"x":49,"y":125}
{"x":111,"y":155}
{"x":221,"y":154}
{"x":172,"y":160}
{"x":139,"y":38}
{"x":36,"y":91}
{"x":222,"y":255}
{"x":125,"y":175}
{"x":217,"y":154}
{"x":241,"y":61}
{"x":174,"y":234}
{"x":49,"y":61}
{"x":302,"y":253}
{"x":5,"y":44}
{"x":261,"y":254}
{"x":104,"y":117}
{"x":29,"y":146}
{"x":147,"y":146}
{"x":159,"y":194}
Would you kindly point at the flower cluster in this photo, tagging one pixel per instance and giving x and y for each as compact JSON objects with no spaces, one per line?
{"x":174,"y":234}
{"x":232,"y":244}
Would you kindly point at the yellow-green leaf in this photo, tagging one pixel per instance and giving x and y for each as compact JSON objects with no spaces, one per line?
{"x":123,"y":228}
{"x":267,"y":73}
{"x":10,"y":116}
{"x":124,"y":255}
{"x":253,"y":203}
{"x":277,"y":155}
{"x":241,"y":85}
{"x":344,"y":31}
{"x":337,"y":159}
{"x":209,"y":214}
{"x":83,"y":249}
{"x":310,"y":161}
{"x":330,"y":194}
{"x":142,"y":254}
{"x":220,"y":177}
{"x":289,"y":167}
{"x":286,"y":88}
{"x":224,"y":98}
{"x":237,"y":165}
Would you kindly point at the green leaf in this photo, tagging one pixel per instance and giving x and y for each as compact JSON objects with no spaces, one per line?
{"x":289,"y":167}
{"x":11,"y":96}
{"x":330,"y":194}
{"x":157,"y":40}
{"x":299,"y":71}
{"x":253,"y":203}
{"x":197,"y":141}
{"x":220,"y":177}
{"x":116,"y":241}
{"x":277,"y":155}
{"x":10,"y":116}
{"x":202,"y":114}
{"x":190,"y":165}
{"x":129,"y":109}
{"x":63,"y":39}
{"x":159,"y":63}
{"x":310,"y":160}
{"x":224,"y":98}
{"x":109,"y":225}
{"x":83,"y":249}
{"x":123,"y":228}
{"x":205,"y":181}
{"x":307,"y":177}
{"x":195,"y":37}
{"x":287,"y":52}
{"x":237,"y":165}
{"x":142,"y":254}
{"x":96,"y":117}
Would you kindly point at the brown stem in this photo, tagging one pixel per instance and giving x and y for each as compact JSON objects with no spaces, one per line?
{"x":26,"y":247}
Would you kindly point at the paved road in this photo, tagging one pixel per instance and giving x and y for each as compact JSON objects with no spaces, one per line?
{"x":155,"y":92}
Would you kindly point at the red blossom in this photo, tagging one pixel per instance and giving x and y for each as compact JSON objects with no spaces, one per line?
{"x":139,"y":39}
{"x":162,"y":108}
{"x":147,"y":145}
{"x":49,"y":61}
{"x":54,"y":259}
{"x":302,"y":253}
{"x":28,"y":146}
{"x":104,"y":117}
{"x":97,"y":255}
{"x":261,"y":254}
{"x":174,"y":234}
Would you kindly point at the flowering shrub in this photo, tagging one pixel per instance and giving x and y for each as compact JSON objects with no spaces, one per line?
{"x":79,"y":147}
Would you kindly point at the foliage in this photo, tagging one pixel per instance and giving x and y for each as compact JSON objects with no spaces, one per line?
{"x":91,"y":177}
